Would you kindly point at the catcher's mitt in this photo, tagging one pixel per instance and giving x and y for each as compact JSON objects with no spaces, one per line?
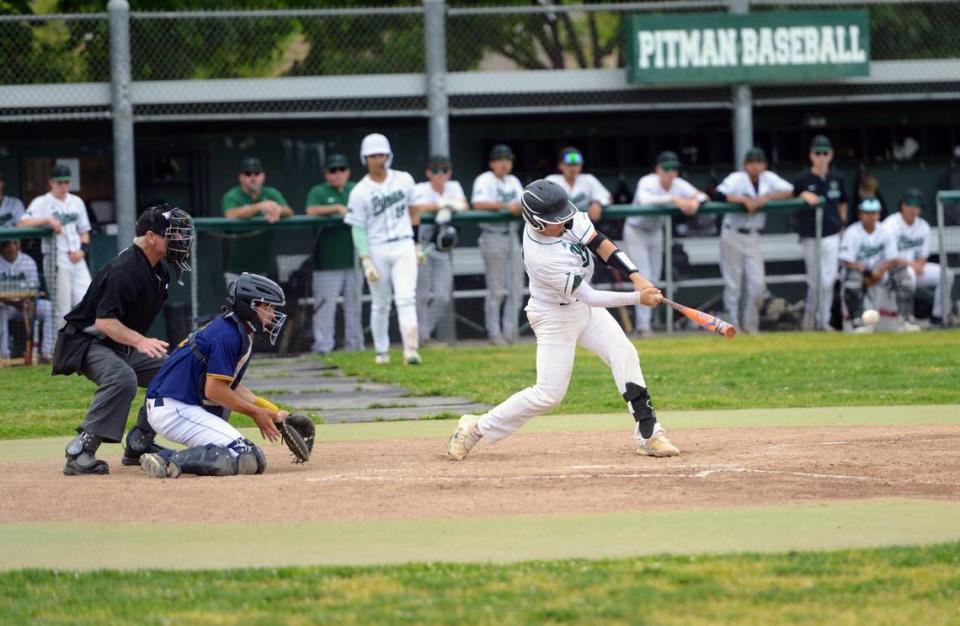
{"x":298,"y":432}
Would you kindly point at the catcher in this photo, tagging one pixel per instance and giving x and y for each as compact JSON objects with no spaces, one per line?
{"x":190,"y":398}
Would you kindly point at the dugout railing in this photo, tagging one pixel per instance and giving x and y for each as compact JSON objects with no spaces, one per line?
{"x":19,"y":295}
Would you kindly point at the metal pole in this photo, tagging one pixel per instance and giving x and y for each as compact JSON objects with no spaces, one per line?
{"x":194,"y":282}
{"x":817,"y":265}
{"x":946,"y":298}
{"x":122,"y":110}
{"x":435,"y":48}
{"x":668,"y":266}
{"x":742,"y":102}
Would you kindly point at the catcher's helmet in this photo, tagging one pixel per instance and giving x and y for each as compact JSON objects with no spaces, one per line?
{"x":445,"y":237}
{"x":246,"y":292}
{"x":544,"y":202}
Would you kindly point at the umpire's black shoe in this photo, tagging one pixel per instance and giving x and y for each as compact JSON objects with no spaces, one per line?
{"x":139,"y":443}
{"x":81,"y":456}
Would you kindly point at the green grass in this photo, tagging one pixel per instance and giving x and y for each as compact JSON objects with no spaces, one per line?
{"x":705,"y":372}
{"x":882,"y":586}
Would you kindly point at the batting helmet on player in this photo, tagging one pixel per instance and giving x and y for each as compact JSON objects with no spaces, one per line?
{"x":544,"y":202}
{"x":246,"y":292}
{"x":375,"y":143}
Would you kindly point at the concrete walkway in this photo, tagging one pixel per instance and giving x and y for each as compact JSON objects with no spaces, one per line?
{"x":314,"y":387}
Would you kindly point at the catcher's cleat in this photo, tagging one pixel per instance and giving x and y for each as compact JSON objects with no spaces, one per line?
{"x":411,"y":357}
{"x":658,"y":446}
{"x":81,"y":456}
{"x":382,"y":359}
{"x":464,"y":438}
{"x":158,"y":467}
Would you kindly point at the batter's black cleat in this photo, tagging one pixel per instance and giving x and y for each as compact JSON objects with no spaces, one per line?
{"x":139,"y":443}
{"x":81,"y":456}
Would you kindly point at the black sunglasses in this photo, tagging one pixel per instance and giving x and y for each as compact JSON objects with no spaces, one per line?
{"x":252,"y":173}
{"x":440,"y":170}
{"x":334,"y":170}
{"x":821,"y":152}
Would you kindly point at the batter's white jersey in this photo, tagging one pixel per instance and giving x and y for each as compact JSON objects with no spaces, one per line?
{"x":488,"y":188}
{"x":739,"y":184}
{"x":913,"y":240}
{"x":649,"y":191}
{"x":871,"y":249}
{"x":558,"y":265}
{"x":382,"y":208}
{"x":72,"y":213}
{"x":585,"y":190}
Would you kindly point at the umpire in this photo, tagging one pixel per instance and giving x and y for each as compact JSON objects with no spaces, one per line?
{"x":104,"y":337}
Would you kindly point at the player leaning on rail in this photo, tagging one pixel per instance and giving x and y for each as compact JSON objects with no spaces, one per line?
{"x":564,"y":311}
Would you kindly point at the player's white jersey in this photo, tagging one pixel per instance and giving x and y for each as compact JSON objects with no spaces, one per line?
{"x":558,"y":265}
{"x":871,"y":249}
{"x":72,"y":213}
{"x":424,"y":193}
{"x":382,"y":208}
{"x":585,"y":190}
{"x":913,"y":240}
{"x":21,"y":273}
{"x":739,"y":184}
{"x":649,"y":191}
{"x":488,"y":188}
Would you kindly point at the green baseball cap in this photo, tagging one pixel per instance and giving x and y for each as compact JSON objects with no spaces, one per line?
{"x":336,"y":160}
{"x":755,"y":155}
{"x":501,"y":151}
{"x":251,"y":164}
{"x":439,"y":159}
{"x":912,"y":197}
{"x":821,"y":142}
{"x":668,"y":160}
{"x":61,"y":173}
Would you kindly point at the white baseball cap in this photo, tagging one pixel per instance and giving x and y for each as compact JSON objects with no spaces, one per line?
{"x":375,"y":143}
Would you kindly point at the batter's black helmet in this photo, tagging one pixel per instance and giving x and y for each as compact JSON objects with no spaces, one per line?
{"x":544,"y":202}
{"x":446,"y":237}
{"x":246,"y":292}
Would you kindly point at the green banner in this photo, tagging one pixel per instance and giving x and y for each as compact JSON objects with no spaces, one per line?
{"x":756,"y":47}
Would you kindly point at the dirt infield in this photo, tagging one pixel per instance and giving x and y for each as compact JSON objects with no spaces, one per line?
{"x":530,"y":473}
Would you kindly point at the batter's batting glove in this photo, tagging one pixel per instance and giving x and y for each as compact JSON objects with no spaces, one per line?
{"x":369,"y":270}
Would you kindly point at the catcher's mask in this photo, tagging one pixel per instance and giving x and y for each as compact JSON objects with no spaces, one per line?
{"x":544,"y":202}
{"x":176,"y":227}
{"x":248,"y":296}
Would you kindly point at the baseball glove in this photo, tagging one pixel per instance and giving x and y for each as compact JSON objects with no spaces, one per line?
{"x":298,"y":433}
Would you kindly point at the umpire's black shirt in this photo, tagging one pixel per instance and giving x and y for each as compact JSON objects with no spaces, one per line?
{"x":833,"y":188}
{"x":127,"y":289}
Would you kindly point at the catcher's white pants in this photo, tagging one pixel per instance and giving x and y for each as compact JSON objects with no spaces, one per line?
{"x":42,"y":315}
{"x":829,"y":270}
{"x":189,"y":424}
{"x":396,"y":262}
{"x":328,"y":285}
{"x":645,"y":249}
{"x":741,"y":258}
{"x":930,"y":277}
{"x":73,"y":279}
{"x":434,"y":291}
{"x":559,"y":329}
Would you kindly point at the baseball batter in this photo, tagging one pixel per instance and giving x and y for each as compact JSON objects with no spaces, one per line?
{"x":66,"y":214}
{"x":643,"y":236}
{"x":565,"y":311}
{"x":586,"y":192}
{"x":385,"y":232}
{"x":499,"y":190}
{"x":912,"y":234}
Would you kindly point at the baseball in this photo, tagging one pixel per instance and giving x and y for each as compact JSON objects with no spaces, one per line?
{"x":870,"y":317}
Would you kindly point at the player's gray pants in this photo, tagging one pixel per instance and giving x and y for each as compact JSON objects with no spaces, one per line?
{"x":742,"y":258}
{"x":117,"y":372}
{"x":930,"y":277}
{"x":829,"y":268}
{"x":645,"y":249}
{"x":328,"y":285}
{"x":434,"y":291}
{"x":501,"y":264}
{"x":43,"y":316}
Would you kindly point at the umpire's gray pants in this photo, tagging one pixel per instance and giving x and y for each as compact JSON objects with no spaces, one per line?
{"x":741,"y":258}
{"x":117,"y":372}
{"x":434,"y":291}
{"x":502,"y":265}
{"x":328,"y":285}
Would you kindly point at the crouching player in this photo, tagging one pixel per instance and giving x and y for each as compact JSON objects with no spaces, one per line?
{"x":564,"y":311}
{"x":200,"y":382}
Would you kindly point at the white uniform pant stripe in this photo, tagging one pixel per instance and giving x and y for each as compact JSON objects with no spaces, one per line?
{"x":741,"y":261}
{"x":645,"y":249}
{"x":829,"y":269}
{"x":328,"y":285}
{"x":396,"y":262}
{"x":189,"y":424}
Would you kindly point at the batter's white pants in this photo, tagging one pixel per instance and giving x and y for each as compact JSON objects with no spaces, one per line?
{"x":645,"y":249}
{"x":501,"y":265}
{"x":73,"y":279}
{"x":559,"y":329}
{"x":328,"y":285}
{"x":742,"y":258}
{"x":43,"y":316}
{"x":396,"y":262}
{"x":189,"y":424}
{"x":829,"y":269}
{"x":434,"y":291}
{"x":930,"y":277}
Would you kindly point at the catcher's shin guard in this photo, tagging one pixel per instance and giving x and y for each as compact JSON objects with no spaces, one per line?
{"x":140,"y":440}
{"x":853,"y":293}
{"x":208,"y":460}
{"x":641,"y":405}
{"x":903,"y":287}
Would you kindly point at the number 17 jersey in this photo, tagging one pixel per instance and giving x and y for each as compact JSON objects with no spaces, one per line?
{"x":558,"y":265}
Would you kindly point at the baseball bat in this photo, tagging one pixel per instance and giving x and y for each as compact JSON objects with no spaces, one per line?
{"x":705,"y":320}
